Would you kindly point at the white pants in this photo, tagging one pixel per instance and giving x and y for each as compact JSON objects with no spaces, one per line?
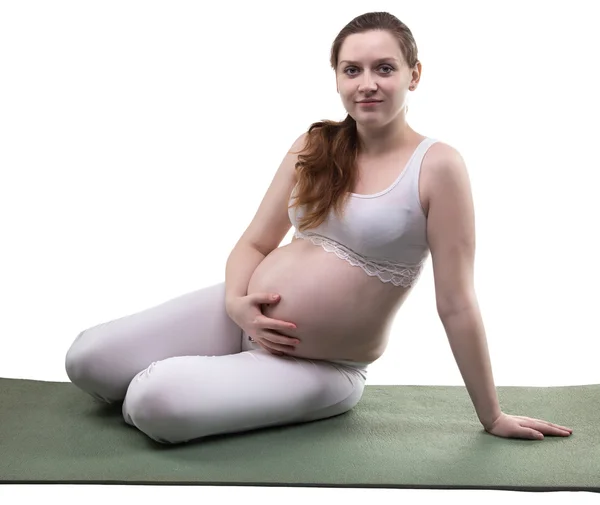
{"x":185,"y":370}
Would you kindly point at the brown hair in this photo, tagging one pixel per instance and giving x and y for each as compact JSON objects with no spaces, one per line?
{"x":326,"y":167}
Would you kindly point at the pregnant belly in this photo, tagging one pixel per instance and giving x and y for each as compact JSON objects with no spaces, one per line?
{"x":340,"y":312}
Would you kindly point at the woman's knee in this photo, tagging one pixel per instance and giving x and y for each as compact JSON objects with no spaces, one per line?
{"x":75,"y":359}
{"x":152,"y":407}
{"x":87,"y":368}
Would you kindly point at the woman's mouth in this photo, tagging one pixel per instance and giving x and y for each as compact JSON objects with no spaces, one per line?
{"x":368,"y":104}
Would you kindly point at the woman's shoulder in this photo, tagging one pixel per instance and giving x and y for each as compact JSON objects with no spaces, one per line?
{"x":438,"y":157}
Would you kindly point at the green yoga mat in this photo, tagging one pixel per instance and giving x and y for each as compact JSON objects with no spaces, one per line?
{"x":396,"y":437}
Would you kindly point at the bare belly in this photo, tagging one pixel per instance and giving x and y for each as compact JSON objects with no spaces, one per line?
{"x":341,"y":313}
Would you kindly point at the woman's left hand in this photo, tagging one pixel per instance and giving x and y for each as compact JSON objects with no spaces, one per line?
{"x":525,"y":427}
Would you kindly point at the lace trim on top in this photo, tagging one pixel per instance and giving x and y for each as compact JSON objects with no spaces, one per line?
{"x":387,"y":271}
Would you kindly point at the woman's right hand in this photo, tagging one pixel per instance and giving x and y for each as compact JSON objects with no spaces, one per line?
{"x":246,"y":312}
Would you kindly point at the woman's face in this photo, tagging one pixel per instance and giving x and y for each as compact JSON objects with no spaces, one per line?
{"x":371,"y":66}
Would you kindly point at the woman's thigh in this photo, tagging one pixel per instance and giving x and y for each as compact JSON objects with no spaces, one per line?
{"x":104,"y":359}
{"x":185,"y":398}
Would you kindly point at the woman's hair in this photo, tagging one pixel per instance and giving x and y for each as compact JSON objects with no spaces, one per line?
{"x":326,"y":166}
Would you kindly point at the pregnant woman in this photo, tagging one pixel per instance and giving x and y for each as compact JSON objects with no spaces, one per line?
{"x":369,"y":199}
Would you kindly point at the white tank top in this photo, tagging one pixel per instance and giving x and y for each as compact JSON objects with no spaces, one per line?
{"x":385,"y":234}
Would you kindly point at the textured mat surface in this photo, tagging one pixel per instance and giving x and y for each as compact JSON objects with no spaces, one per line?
{"x":396,"y":437}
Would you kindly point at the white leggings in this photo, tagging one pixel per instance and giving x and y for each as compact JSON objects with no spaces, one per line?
{"x":184,"y":370}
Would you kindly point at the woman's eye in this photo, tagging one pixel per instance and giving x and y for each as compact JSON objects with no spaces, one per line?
{"x":383,"y":66}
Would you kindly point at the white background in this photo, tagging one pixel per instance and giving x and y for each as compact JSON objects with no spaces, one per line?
{"x":138,"y":139}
